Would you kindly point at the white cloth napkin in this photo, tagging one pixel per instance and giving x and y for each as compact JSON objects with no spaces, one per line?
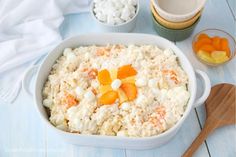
{"x":29,"y":29}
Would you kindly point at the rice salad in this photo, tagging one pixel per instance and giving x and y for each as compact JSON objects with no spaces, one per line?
{"x":116,"y":90}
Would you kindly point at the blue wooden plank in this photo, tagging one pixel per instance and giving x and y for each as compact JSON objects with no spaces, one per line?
{"x":21,"y":132}
{"x":55,"y":146}
{"x":232,"y":5}
{"x":98,"y":152}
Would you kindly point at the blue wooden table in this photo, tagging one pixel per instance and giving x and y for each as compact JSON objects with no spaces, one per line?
{"x":23,"y":134}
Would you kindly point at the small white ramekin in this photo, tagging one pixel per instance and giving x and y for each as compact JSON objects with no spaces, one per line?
{"x":127,"y":26}
{"x":177,"y":17}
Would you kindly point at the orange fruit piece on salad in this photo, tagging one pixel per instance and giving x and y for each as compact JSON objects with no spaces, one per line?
{"x":122,"y":96}
{"x":198,"y":44}
{"x":129,"y":80}
{"x":108,"y":98}
{"x":92,"y":73}
{"x":104,"y":77}
{"x":203,"y":36}
{"x":130,"y":90}
{"x":216,"y":42}
{"x":126,"y":71}
{"x":104,"y":88}
{"x":207,"y":48}
{"x":100,"y":52}
{"x":224,"y":46}
{"x":70,"y":100}
{"x":113,"y":73}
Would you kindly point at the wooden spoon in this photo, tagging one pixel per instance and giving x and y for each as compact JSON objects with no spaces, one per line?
{"x":220,"y":111}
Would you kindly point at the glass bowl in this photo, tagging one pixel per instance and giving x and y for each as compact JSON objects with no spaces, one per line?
{"x":222,"y":34}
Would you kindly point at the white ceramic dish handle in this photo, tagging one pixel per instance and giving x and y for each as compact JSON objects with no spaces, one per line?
{"x":27,"y":79}
{"x":206,"y":90}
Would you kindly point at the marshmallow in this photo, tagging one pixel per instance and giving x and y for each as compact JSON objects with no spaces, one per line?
{"x":141,"y":82}
{"x":114,"y":12}
{"x":116,"y":84}
{"x":125,"y":106}
{"x":67,"y":51}
{"x":125,"y":14}
{"x":152,"y":83}
{"x":110,"y":20}
{"x":79,"y":92}
{"x":47,"y":103}
{"x":71,"y":56}
{"x":89,"y":96}
{"x":132,"y":2}
{"x":168,"y":52}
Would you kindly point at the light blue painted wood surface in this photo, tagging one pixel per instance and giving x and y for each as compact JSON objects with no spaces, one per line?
{"x":23,"y":134}
{"x":232,"y":5}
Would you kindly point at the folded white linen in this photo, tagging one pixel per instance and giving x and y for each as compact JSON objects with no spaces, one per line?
{"x":29,"y":28}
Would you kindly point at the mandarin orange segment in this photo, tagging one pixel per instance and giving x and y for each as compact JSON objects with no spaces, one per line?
{"x":207,"y":48}
{"x":161,"y":111}
{"x":100,"y":52}
{"x":198,"y":44}
{"x":224,"y":46}
{"x":122,"y":96}
{"x":130,"y":90}
{"x":113,"y":73}
{"x":203,"y":36}
{"x":129,"y":80}
{"x":108,"y":98}
{"x":126,"y":71}
{"x":92,"y":73}
{"x":216,"y":42}
{"x":104,"y":77}
{"x":70,"y":100}
{"x":104,"y":88}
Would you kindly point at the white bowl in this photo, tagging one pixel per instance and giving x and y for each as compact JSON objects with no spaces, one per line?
{"x":178,"y":10}
{"x":127,"y":26}
{"x":115,"y":38}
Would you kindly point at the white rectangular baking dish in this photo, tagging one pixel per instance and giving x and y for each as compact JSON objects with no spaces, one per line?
{"x":115,"y":38}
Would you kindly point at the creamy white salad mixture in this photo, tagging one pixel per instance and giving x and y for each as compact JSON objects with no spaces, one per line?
{"x":116,"y":90}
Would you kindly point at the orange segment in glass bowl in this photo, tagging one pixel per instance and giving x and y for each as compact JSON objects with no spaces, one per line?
{"x":104,"y":77}
{"x":126,"y":71}
{"x":207,"y":48}
{"x":203,"y":36}
{"x":108,"y":98}
{"x":224,"y":46}
{"x":216,"y":42}
{"x":130,"y":90}
{"x":198,"y":44}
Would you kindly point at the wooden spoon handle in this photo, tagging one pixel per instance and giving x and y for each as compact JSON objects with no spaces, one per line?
{"x":207,"y":129}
